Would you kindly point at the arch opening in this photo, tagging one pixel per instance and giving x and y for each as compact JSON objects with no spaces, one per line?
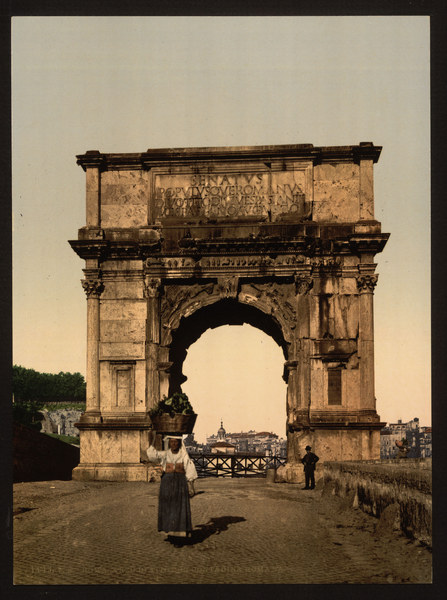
{"x":223,"y":312}
{"x":234,"y":374}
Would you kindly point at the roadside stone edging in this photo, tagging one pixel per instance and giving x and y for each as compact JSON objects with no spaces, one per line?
{"x":398,"y":492}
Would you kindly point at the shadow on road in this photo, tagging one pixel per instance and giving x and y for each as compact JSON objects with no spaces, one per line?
{"x":214,"y":526}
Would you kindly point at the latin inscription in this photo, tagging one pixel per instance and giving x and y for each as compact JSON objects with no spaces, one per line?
{"x":230,"y":195}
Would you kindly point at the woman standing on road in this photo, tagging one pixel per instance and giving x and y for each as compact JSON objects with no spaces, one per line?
{"x":177,"y":483}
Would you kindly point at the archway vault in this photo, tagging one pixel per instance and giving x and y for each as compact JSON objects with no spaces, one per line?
{"x":223,"y":311}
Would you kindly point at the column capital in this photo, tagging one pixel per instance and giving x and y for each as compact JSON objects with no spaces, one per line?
{"x":92,"y":287}
{"x":366,"y":283}
{"x":303,"y":283}
{"x":152,"y":287}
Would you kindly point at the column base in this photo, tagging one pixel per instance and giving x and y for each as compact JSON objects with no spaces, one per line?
{"x":89,"y":416}
{"x":117,"y":472}
{"x":290,"y":473}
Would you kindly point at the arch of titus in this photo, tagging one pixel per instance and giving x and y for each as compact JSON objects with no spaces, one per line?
{"x":180,"y":240}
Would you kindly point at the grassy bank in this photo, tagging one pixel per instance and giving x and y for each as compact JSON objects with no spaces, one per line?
{"x":51,"y":406}
{"x":68,"y":439}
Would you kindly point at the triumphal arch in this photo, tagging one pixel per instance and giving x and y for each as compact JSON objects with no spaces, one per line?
{"x":180,"y":240}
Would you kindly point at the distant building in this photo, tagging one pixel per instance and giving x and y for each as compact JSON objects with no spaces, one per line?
{"x":418,"y":438}
{"x":223,"y":448}
{"x":264,"y":443}
{"x":425,"y":442}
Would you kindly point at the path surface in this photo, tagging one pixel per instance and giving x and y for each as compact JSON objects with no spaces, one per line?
{"x":246,"y":531}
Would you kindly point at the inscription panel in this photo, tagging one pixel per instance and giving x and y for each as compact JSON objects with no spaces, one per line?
{"x":270,"y":194}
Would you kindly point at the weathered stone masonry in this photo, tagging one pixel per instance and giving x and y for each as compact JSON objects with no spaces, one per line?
{"x":180,"y":240}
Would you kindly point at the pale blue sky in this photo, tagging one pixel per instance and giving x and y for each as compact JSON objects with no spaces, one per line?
{"x":126,"y":84}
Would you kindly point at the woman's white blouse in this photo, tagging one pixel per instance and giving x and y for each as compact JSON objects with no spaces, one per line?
{"x":166,"y":456}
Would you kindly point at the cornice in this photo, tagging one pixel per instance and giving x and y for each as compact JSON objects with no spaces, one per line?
{"x":308,"y":240}
{"x":160,"y":156}
{"x":90,"y":249}
{"x":368,"y":243}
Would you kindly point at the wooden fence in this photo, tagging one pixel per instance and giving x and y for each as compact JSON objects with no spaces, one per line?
{"x":235,"y":465}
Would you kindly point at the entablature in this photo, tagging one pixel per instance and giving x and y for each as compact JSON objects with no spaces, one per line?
{"x":159,"y":156}
{"x":195,"y":242}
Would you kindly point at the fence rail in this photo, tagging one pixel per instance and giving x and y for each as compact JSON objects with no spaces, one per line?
{"x":234,"y":465}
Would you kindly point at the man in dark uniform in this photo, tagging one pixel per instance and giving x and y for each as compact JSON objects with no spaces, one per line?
{"x":309,"y":461}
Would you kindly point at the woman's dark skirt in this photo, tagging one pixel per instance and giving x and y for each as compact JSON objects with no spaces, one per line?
{"x":174,"y":512}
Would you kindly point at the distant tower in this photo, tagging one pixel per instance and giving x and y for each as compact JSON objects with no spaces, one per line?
{"x":221,"y":433}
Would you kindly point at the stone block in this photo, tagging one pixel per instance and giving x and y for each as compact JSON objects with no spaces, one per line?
{"x":121,"y":289}
{"x":90,"y":448}
{"x":351,"y":396}
{"x":110,"y":446}
{"x":290,"y":473}
{"x":124,"y":472}
{"x":84,"y":473}
{"x":124,"y":187}
{"x":119,"y":266}
{"x":115,"y":310}
{"x":130,"y":446}
{"x":128,"y":215}
{"x":121,"y":350}
{"x":127,"y":331}
{"x":336,"y":192}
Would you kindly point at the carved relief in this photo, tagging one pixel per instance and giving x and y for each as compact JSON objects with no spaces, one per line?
{"x":92,"y":287}
{"x":274,"y":299}
{"x":366,"y":283}
{"x":227,"y":287}
{"x":329,"y":262}
{"x":211,"y":262}
{"x":152,"y":262}
{"x":177,"y":302}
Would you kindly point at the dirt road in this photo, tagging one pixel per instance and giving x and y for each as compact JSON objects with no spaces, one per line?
{"x":245,"y":531}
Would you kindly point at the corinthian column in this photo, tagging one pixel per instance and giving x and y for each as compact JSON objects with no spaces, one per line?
{"x":152,"y":293}
{"x":93,"y":289}
{"x":365,"y":285}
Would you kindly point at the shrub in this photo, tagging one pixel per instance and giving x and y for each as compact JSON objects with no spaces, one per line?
{"x":177,"y":403}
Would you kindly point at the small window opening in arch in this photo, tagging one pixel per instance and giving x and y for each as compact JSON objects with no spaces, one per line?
{"x":334,"y":386}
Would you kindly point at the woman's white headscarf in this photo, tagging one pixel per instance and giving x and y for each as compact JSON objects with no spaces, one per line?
{"x":182,"y":448}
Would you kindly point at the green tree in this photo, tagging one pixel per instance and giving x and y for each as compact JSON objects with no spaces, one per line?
{"x":30,"y":385}
{"x":27,"y":413}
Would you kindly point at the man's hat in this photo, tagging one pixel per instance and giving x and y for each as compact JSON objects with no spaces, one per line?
{"x":308,"y":448}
